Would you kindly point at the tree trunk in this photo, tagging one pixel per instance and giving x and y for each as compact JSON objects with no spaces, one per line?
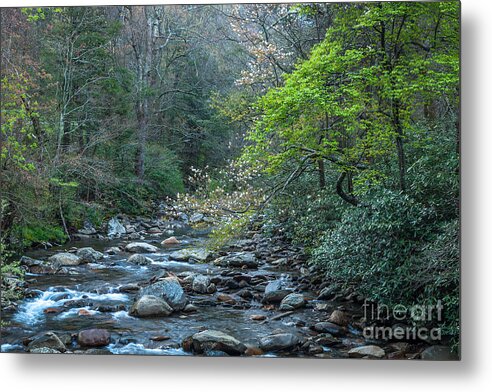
{"x":142,"y":139}
{"x":341,"y":192}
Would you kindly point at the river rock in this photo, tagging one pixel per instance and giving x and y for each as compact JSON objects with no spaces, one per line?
{"x":438,"y":353}
{"x":366,"y":351}
{"x":88,"y":229}
{"x":89,"y":255}
{"x":141,"y":247}
{"x":339,"y":317}
{"x":329,"y":291}
{"x":275,"y":292}
{"x":170,"y":241}
{"x":210,"y":340}
{"x":115,"y":228}
{"x":195,"y":218}
{"x":292,"y":301}
{"x":29,"y":262}
{"x":44,"y":350}
{"x":226,"y":299}
{"x":114,"y":250}
{"x":200,"y":254}
{"x":128,"y":288}
{"x":326,"y":326}
{"x":190,"y":308}
{"x":40,"y":267}
{"x":201,"y":284}
{"x":49,"y":341}
{"x":238,"y":260}
{"x":279,"y":342}
{"x":245,"y":294}
{"x":139,"y":259}
{"x":65,"y":258}
{"x":94,"y":337}
{"x":150,"y":306}
{"x":253,"y":351}
{"x":169,"y":290}
{"x":183,"y":217}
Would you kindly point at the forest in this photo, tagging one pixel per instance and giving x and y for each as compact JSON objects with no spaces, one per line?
{"x":322,"y":138}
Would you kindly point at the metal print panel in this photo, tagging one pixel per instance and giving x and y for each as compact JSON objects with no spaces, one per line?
{"x":265,"y":180}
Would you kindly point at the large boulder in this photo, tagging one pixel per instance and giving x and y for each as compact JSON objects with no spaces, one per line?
{"x":94,"y":337}
{"x":150,"y":306}
{"x":139,"y":259}
{"x":169,"y":290}
{"x":292,"y":301}
{"x":200,"y":254}
{"x":89,"y":255}
{"x":275,"y":292}
{"x":211,"y":340}
{"x":48,"y":340}
{"x":141,"y":247}
{"x":115,"y":228}
{"x":279,"y":342}
{"x":65,"y":258}
{"x":366,"y":351}
{"x":238,"y":260}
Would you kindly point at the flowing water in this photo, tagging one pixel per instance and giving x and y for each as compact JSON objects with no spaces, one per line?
{"x":66,"y":304}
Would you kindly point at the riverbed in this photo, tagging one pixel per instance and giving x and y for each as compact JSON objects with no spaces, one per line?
{"x":91,"y":296}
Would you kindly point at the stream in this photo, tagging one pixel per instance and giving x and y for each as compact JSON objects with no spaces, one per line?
{"x":91,"y":296}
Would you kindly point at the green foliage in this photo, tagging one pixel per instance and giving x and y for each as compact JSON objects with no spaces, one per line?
{"x":163,"y":172}
{"x":77,"y":213}
{"x":126,"y":193}
{"x":434,"y":176}
{"x":440,"y":264}
{"x":357,"y":94}
{"x":8,"y":269}
{"x":39,"y":233}
{"x":229,"y":230}
{"x":392,"y":251}
{"x":19,"y":139}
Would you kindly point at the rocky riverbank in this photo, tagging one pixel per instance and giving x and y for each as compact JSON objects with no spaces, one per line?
{"x":150,"y":286}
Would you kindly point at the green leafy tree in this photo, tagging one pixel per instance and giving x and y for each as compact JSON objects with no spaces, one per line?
{"x":356,"y":100}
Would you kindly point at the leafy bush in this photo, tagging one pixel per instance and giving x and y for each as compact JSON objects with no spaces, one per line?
{"x":7,"y":269}
{"x":441,"y":265}
{"x":38,"y":233}
{"x":77,"y":213}
{"x":391,"y":250}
